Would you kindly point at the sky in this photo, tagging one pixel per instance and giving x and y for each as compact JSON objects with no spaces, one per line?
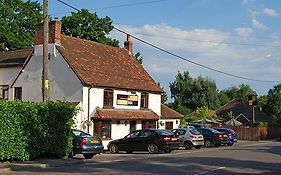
{"x":236,"y":37}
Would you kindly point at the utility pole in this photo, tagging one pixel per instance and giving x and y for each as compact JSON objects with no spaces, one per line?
{"x":45,"y":73}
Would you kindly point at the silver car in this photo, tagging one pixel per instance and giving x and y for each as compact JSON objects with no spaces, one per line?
{"x":189,"y":137}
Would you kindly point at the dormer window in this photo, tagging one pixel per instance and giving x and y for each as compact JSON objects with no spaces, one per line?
{"x":108,"y":98}
{"x":144,"y":100}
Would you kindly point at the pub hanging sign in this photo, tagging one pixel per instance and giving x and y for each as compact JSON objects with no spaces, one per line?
{"x":127,"y":100}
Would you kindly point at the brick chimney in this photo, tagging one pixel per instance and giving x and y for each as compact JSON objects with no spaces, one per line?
{"x":128,"y":44}
{"x":54,"y":33}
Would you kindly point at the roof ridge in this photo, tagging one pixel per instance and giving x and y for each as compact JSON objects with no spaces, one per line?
{"x":91,"y":41}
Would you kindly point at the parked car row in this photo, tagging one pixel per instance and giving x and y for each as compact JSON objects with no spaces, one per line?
{"x":155,"y":140}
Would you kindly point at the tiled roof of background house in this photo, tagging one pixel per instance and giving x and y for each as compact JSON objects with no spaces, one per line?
{"x":123,"y":114}
{"x":106,"y":66}
{"x":168,"y":113}
{"x":237,"y":107}
{"x":14,"y":58}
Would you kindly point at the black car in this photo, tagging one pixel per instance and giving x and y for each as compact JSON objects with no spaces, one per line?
{"x":84,"y":143}
{"x":213,"y":137}
{"x":151,"y":140}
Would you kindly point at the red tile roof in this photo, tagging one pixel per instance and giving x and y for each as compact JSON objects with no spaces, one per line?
{"x":14,"y":58}
{"x":106,"y":66}
{"x":168,"y":113}
{"x":123,"y":114}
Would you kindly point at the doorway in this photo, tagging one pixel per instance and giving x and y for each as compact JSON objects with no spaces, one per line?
{"x":133,"y":126}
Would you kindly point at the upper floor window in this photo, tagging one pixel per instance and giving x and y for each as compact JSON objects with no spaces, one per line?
{"x":108,"y":98}
{"x":18,"y":93}
{"x":144,"y":100}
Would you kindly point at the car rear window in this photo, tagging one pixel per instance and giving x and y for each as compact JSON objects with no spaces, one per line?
{"x":164,"y":132}
{"x":194,"y":131}
{"x":80,"y":133}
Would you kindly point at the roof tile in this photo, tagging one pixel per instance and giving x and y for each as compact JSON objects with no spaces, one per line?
{"x":102,"y":65}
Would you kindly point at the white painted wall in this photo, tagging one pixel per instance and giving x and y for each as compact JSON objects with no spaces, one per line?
{"x":8,"y":75}
{"x":60,"y":77}
{"x":119,"y":131}
{"x":154,"y":103}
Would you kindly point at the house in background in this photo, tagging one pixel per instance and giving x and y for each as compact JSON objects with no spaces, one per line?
{"x":242,"y":112}
{"x":169,"y":119}
{"x":11,"y":64}
{"x":113,"y":90}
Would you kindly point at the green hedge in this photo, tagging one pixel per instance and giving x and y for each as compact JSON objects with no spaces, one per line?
{"x":30,"y":130}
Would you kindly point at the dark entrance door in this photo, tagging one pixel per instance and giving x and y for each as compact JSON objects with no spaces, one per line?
{"x":133,"y":125}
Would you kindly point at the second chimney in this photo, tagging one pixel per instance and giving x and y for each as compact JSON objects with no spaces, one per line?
{"x":128,"y":44}
{"x":54,"y":33}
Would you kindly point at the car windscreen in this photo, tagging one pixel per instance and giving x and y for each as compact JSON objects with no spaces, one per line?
{"x":164,"y":132}
{"x":194,"y":131}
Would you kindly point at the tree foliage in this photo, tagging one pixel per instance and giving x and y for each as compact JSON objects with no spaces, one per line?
{"x":193,"y":93}
{"x":272,"y":105}
{"x":138,"y":57}
{"x":17,"y":23}
{"x":240,"y":92}
{"x":87,"y":25}
{"x":164,"y":97}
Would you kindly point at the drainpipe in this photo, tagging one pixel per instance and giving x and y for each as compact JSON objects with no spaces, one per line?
{"x":88,"y":117}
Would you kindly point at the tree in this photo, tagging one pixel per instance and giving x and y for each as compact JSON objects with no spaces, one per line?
{"x":273,"y":104}
{"x":17,"y":23}
{"x":138,"y":57}
{"x":240,"y":92}
{"x":193,"y":93}
{"x":86,"y":25}
{"x":164,"y":97}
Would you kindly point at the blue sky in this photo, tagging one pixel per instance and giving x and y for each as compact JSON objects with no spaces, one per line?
{"x":240,"y":37}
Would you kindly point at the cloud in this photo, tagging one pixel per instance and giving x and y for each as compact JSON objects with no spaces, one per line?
{"x":269,"y":12}
{"x":244,"y":32}
{"x":209,"y":47}
{"x":258,"y":24}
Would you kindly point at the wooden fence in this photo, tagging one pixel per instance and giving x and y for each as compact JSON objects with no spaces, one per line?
{"x":258,"y":133}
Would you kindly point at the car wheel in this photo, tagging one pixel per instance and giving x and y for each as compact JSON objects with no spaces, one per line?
{"x":187,"y":145}
{"x":88,"y":156}
{"x":208,"y":143}
{"x":168,"y":151}
{"x":113,"y":148}
{"x":217,"y":145}
{"x":197,"y":147}
{"x":152,"y":148}
{"x":230,"y":144}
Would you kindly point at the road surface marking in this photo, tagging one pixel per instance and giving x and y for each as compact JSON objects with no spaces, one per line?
{"x":215,"y":169}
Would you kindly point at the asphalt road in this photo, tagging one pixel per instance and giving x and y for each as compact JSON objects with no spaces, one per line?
{"x":245,"y":157}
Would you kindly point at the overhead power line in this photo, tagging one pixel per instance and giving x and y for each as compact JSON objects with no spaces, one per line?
{"x":111,"y":7}
{"x":182,"y":58}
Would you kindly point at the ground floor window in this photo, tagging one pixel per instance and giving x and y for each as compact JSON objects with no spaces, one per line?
{"x":148,"y":124}
{"x":168,"y":125}
{"x":102,"y":129}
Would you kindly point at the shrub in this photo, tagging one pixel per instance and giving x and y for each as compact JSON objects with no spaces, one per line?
{"x":29,"y":130}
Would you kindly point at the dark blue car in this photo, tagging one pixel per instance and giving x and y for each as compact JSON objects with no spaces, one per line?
{"x":232,"y":136}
